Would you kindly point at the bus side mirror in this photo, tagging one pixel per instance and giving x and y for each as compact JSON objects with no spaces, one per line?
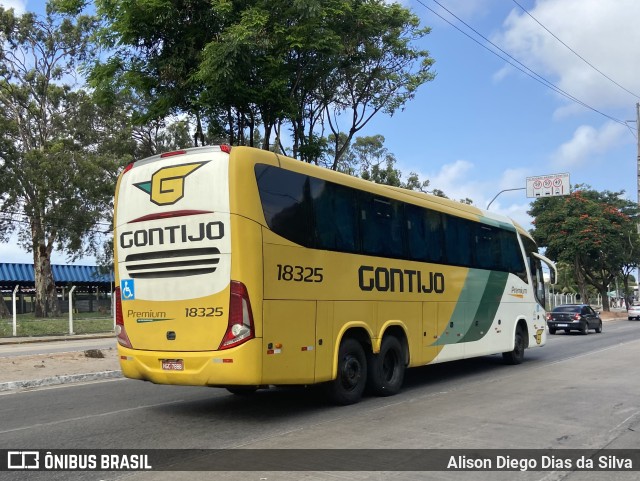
{"x":552,"y":276}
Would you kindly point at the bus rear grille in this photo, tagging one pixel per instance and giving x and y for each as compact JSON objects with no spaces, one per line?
{"x":173,"y":263}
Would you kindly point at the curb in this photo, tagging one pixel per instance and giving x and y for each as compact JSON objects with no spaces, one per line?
{"x":59,"y":380}
{"x":74,"y":337}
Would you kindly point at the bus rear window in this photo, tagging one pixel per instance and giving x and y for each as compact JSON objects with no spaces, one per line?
{"x":286,"y":202}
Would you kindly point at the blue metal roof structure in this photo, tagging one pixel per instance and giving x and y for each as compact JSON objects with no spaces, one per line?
{"x":63,"y":275}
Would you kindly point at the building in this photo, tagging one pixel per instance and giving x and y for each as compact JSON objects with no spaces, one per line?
{"x":92,"y":288}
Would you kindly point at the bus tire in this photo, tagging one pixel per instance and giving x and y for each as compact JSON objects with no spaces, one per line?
{"x":351,"y":378}
{"x":386,"y":369}
{"x":517,"y":355}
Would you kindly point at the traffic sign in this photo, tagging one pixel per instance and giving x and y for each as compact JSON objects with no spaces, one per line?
{"x":548,"y":185}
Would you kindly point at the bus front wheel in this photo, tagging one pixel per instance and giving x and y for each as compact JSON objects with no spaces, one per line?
{"x":386,"y":369}
{"x":517,"y":355}
{"x":350,"y":381}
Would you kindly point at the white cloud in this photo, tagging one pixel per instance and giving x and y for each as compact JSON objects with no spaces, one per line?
{"x":587,"y":144}
{"x":19,"y":6}
{"x":514,"y":178}
{"x":603,"y":33}
{"x":12,"y":253}
{"x":457,"y":181}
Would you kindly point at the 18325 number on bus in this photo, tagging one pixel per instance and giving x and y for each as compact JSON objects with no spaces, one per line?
{"x":203,"y":311}
{"x":288,"y":272}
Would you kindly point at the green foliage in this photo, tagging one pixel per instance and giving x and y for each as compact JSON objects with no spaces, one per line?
{"x":236,"y":67}
{"x":595,"y":232}
{"x":368,"y":158}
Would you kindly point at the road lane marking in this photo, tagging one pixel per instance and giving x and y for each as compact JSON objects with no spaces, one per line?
{"x":89,"y":416}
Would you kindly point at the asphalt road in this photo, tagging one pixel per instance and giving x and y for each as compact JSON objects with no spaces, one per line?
{"x":577,"y":392}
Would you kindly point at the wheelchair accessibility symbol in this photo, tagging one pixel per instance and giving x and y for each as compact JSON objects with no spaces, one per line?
{"x":127,"y":290}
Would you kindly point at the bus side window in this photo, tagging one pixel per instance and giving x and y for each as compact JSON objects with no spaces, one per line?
{"x":334,"y":208}
{"x":486,"y":247}
{"x":381,"y":226}
{"x":540,"y":291}
{"x":458,"y":235}
{"x":511,"y":257}
{"x":424,"y":234}
{"x":538,"y":279}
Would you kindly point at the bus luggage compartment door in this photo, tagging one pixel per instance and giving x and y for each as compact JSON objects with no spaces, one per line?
{"x":289,"y":334}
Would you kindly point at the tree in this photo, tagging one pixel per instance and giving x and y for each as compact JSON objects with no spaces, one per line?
{"x":235,"y":67}
{"x":565,"y":282}
{"x":378,"y":68}
{"x":590,"y":230}
{"x":631,"y":261}
{"x":58,"y":150}
{"x":155,"y":51}
{"x":369,"y":159}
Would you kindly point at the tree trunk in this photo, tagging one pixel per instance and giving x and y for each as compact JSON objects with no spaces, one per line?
{"x":46,"y":301}
{"x":4,"y":310}
{"x":625,"y":290}
{"x":582,"y":284}
{"x":267,"y":136}
{"x":232,"y":139}
{"x":605,"y":300}
{"x":198,"y":135}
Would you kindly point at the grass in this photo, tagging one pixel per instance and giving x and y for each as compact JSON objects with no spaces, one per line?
{"x":83,"y":323}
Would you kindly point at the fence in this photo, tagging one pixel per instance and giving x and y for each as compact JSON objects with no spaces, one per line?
{"x":82,"y":302}
{"x":555,"y":299}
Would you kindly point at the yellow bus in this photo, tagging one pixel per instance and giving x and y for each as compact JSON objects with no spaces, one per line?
{"x":244,"y":269}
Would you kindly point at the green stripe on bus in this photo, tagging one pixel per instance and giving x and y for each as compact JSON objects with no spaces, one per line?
{"x":486,"y":310}
{"x":473,"y":316}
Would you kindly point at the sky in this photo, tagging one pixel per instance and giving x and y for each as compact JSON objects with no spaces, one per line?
{"x":483,"y":125}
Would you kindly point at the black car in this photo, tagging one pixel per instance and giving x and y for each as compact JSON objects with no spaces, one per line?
{"x":574,"y":317}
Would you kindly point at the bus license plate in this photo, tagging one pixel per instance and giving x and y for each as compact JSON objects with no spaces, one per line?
{"x":172,"y":365}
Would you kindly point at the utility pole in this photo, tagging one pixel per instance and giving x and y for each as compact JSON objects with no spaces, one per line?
{"x":638,"y":137}
{"x":638,"y":172}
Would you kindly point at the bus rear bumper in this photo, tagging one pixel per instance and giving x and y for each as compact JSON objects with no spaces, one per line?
{"x":239,"y":366}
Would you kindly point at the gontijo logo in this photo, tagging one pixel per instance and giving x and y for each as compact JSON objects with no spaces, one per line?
{"x":166,"y":186}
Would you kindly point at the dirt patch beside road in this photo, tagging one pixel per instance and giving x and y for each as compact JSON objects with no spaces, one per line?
{"x":609,"y":315}
{"x":42,"y":366}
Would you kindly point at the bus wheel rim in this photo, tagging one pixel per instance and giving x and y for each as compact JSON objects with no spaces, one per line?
{"x":351,"y":373}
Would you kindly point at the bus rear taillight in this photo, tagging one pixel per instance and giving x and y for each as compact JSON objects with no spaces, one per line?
{"x":171,"y":154}
{"x":240,"y":324}
{"x":121,"y":332}
{"x":127,"y":168}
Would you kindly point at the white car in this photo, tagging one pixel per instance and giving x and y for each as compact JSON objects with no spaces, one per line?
{"x":634,"y":311}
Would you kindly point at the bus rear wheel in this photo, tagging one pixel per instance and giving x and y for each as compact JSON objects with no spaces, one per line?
{"x":386,"y":369}
{"x":350,"y":381}
{"x":517,"y":355}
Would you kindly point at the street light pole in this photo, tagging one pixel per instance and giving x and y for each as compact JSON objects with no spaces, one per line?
{"x":524,"y":188}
